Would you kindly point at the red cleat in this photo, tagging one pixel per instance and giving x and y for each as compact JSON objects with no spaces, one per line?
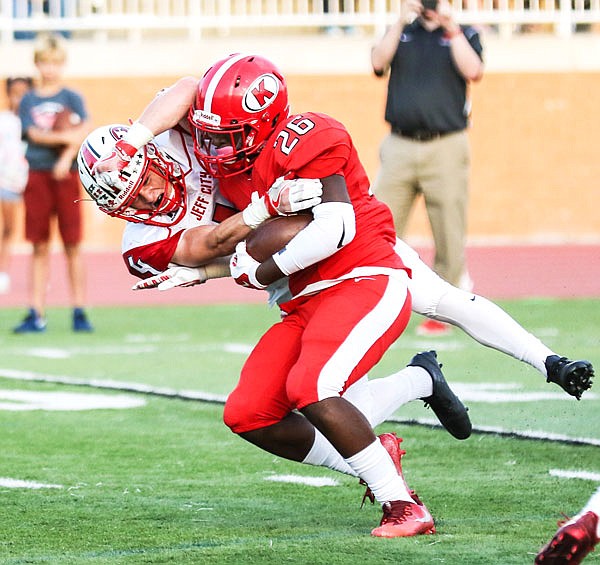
{"x":571,"y":543}
{"x":404,"y":519}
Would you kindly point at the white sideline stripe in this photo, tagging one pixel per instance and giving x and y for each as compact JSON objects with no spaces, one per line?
{"x":133,"y":348}
{"x":113,"y":385}
{"x":525,"y":434}
{"x":587,"y":475}
{"x":220,"y":399}
{"x":25,"y":400}
{"x":17,"y":483}
{"x":299,"y":479}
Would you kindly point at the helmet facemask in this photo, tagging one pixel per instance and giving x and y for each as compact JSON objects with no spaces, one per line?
{"x":171,"y":206}
{"x":222,"y":152}
{"x":116,"y":191}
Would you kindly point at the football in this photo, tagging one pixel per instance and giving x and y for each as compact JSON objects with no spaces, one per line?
{"x":65,"y":120}
{"x":274,"y":234}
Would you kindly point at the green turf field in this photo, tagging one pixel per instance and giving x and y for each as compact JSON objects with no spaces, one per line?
{"x":161,"y":480}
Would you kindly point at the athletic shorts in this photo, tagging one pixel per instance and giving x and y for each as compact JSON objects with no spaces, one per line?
{"x":46,"y":197}
{"x":326,"y":343}
{"x":9,"y":195}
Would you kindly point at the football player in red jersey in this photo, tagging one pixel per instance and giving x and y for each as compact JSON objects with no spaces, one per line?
{"x":350,"y":296}
{"x":351,"y":300}
{"x":157,"y":193}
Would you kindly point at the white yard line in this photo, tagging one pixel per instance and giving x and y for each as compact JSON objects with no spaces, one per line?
{"x":566,"y":474}
{"x":6,"y":482}
{"x":302,"y":480}
{"x":220,"y":399}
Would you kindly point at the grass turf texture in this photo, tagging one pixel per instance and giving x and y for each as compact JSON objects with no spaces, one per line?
{"x":168,"y":483}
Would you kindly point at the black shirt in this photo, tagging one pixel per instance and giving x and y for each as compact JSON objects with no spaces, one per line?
{"x":425,"y":90}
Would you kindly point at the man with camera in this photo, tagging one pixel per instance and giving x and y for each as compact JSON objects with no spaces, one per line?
{"x":431,"y":60}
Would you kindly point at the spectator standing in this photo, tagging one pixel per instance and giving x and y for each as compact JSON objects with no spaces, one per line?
{"x":55,"y":122}
{"x":13,"y":171}
{"x":431,"y":59}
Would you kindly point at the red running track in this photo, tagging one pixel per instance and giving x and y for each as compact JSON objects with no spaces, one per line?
{"x":498,"y":272}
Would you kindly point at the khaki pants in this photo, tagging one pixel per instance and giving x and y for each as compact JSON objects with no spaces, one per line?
{"x":438,"y":169}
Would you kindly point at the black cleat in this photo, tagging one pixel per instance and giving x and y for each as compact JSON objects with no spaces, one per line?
{"x":451,"y":412}
{"x":575,"y":377}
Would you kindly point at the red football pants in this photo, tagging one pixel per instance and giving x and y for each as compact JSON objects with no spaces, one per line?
{"x":326,"y":342}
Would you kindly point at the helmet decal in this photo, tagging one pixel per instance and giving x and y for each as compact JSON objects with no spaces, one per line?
{"x":261,"y":93}
{"x":207,"y":118}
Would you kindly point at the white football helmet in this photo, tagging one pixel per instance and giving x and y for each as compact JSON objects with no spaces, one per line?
{"x":115,"y":191}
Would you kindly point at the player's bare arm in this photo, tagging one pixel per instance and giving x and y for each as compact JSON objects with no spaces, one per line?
{"x":203,"y":243}
{"x":170,"y":107}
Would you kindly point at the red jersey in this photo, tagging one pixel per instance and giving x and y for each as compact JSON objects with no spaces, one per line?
{"x":313,"y":145}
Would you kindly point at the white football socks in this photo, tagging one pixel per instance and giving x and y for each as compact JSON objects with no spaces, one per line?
{"x":323,"y":454}
{"x":374,"y":466}
{"x":389,"y":393}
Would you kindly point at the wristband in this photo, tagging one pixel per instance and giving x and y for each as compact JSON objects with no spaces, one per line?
{"x":138,"y":135}
{"x":217,"y":269}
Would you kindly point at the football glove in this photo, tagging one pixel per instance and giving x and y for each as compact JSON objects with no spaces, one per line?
{"x":173,"y":277}
{"x":290,"y":196}
{"x":283,"y":198}
{"x":243,"y":268}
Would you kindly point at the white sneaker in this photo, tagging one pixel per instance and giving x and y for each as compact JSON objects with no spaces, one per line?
{"x":4,"y":283}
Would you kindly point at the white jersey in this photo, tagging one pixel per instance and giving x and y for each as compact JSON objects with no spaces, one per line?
{"x":13,"y":166}
{"x":147,"y":250}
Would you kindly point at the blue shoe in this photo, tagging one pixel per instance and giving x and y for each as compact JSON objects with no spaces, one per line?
{"x":80,"y":321}
{"x":33,"y":323}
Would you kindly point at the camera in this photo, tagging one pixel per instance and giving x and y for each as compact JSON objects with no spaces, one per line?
{"x":430,"y":4}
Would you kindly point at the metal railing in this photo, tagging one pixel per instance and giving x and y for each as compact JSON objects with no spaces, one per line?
{"x":135,"y":19}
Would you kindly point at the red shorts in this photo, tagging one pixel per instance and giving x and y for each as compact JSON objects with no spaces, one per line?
{"x":46,"y":197}
{"x":325,"y":344}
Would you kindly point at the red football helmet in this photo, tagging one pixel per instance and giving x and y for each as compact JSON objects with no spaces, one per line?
{"x":115,"y":191}
{"x":239,"y":102}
